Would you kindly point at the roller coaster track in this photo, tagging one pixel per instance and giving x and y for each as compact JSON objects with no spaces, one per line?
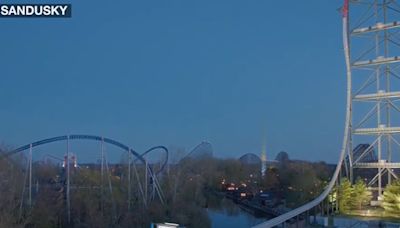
{"x":95,"y":138}
{"x":89,"y":137}
{"x":155,"y":148}
{"x":102,"y":140}
{"x":196,"y":148}
{"x":300,"y":210}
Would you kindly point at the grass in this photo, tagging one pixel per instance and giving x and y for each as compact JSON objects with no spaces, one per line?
{"x":371,"y":213}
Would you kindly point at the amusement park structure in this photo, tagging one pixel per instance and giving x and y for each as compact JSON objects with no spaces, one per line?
{"x":374,"y":91}
{"x":148,"y":190}
{"x":371,"y":44}
{"x":371,"y":48}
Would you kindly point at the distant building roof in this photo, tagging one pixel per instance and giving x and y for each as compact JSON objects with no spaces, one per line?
{"x":282,"y":156}
{"x":250,"y":159}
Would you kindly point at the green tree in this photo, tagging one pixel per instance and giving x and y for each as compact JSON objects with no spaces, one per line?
{"x":391,"y":199}
{"x":360,"y":195}
{"x":301,"y":182}
{"x":271,"y":179}
{"x":345,"y":193}
{"x":10,"y":190}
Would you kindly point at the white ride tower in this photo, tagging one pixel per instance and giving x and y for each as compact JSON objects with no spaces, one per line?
{"x":373,"y":40}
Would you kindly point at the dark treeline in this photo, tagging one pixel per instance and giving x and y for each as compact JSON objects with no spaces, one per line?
{"x":186,"y":186}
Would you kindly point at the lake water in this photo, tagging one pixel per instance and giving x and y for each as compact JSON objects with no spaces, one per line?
{"x":228,"y":214}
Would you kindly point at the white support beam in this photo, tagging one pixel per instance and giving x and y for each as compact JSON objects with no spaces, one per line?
{"x":383,"y":165}
{"x":378,"y":61}
{"x":377,"y":131}
{"x":375,"y":28}
{"x":377,"y":96}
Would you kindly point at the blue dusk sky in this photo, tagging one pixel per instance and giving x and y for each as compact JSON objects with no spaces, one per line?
{"x":176,"y":73}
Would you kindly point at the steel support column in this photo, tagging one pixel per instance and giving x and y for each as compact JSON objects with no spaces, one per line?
{"x":129,"y":180}
{"x":30,"y":176}
{"x":68,"y":184}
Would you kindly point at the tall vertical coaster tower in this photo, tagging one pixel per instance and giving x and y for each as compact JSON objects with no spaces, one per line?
{"x":372,"y":47}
